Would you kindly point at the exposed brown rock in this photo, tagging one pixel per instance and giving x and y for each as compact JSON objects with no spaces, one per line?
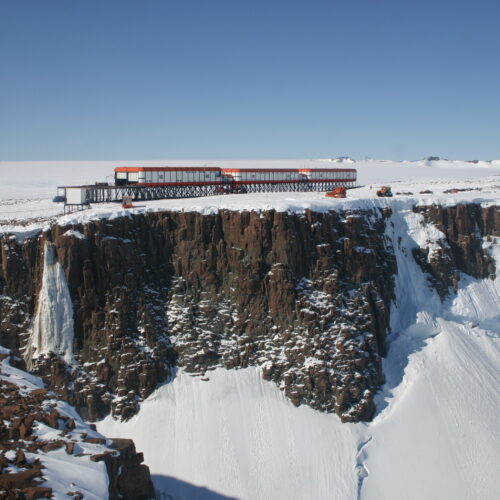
{"x":37,"y":492}
{"x":22,"y":409}
{"x":76,"y":495}
{"x":464,"y":226}
{"x":20,"y":480}
{"x":305,"y":297}
{"x":95,"y":440}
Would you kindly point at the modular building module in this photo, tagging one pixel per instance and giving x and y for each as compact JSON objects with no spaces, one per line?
{"x":153,"y":183}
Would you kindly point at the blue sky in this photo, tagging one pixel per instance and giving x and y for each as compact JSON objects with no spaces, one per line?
{"x":220,"y":79}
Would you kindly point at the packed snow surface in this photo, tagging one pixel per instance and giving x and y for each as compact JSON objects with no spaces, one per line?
{"x":437,"y":429}
{"x":238,"y":435}
{"x":53,"y":325}
{"x":27,"y":188}
{"x":435,"y":436}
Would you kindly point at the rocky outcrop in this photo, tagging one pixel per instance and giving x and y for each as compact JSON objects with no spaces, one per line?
{"x":305,"y":297}
{"x":32,"y":423}
{"x":461,"y":249}
{"x":129,"y":478}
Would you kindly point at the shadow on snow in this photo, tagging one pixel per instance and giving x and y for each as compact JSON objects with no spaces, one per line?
{"x":170,"y":488}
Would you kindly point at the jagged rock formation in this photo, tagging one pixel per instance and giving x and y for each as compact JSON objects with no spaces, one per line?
{"x":306,"y":297}
{"x":32,"y":424}
{"x":460,"y":249}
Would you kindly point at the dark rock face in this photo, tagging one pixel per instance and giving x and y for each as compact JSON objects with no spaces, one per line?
{"x":305,"y":297}
{"x":129,"y":478}
{"x":464,"y":227}
{"x":19,"y":282}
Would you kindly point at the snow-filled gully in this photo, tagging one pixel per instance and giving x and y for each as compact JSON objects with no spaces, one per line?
{"x":435,"y":435}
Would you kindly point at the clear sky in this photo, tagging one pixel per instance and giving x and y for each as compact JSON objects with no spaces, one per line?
{"x":222,"y":79}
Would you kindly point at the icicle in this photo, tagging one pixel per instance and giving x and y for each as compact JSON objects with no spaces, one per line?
{"x":53,"y":325}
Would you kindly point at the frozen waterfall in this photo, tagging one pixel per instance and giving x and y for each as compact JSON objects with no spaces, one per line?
{"x":53,"y":325}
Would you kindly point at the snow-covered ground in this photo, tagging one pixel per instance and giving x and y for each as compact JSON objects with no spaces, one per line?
{"x":27,"y":188}
{"x":238,"y":435}
{"x":436,"y":434}
{"x":437,"y":430}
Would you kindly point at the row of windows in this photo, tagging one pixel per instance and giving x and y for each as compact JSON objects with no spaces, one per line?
{"x":212,"y":176}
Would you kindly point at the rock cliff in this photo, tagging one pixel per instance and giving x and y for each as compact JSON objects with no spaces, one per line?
{"x":306,"y":297}
{"x":461,"y":249}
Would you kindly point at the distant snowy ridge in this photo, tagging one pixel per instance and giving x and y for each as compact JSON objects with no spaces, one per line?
{"x":343,"y":159}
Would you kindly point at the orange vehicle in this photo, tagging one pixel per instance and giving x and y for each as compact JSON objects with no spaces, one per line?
{"x":338,"y":192}
{"x":384,"y":192}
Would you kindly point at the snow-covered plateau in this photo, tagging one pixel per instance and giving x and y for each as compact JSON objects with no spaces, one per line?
{"x":231,"y":433}
{"x":27,"y":188}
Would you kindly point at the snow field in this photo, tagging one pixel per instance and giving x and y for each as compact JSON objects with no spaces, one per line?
{"x":27,"y":188}
{"x":239,"y":436}
{"x":437,"y":431}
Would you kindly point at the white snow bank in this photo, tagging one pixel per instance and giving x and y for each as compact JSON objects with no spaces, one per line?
{"x":439,"y":438}
{"x":74,"y":233}
{"x":25,"y":381}
{"x":53,"y":324}
{"x":239,"y":436}
{"x":477,"y":301}
{"x":65,"y":474}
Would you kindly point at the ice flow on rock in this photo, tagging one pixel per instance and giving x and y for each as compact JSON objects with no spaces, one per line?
{"x":53,"y":324}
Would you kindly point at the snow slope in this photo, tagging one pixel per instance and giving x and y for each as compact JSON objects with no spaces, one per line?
{"x":437,"y":431}
{"x":441,"y":438}
{"x":436,"y":434}
{"x":239,"y":436}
